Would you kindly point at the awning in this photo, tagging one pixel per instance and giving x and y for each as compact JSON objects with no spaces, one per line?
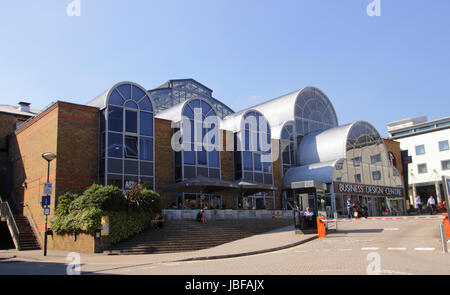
{"x":309,"y":184}
{"x":247,"y":188}
{"x":206,"y":185}
{"x":319,"y":172}
{"x":201,"y":184}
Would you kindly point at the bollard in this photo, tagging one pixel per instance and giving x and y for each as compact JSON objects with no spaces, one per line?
{"x":321,"y":231}
{"x":446,"y":223}
{"x":443,"y":238}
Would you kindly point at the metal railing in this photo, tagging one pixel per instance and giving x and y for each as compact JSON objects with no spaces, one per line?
{"x":5,"y":212}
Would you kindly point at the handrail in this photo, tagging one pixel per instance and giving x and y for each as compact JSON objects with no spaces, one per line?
{"x":5,"y":211}
{"x":33,"y":224}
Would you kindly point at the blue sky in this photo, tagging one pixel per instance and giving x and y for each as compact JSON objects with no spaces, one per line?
{"x":379,"y":69}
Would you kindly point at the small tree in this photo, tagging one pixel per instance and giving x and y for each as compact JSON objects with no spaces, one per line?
{"x":140,"y":198}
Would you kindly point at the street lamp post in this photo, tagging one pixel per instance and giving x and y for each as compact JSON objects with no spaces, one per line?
{"x":48,"y":157}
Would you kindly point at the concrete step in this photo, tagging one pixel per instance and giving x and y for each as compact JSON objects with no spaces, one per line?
{"x":183,"y":235}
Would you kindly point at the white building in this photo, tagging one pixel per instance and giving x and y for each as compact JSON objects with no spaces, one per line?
{"x":427,"y":143}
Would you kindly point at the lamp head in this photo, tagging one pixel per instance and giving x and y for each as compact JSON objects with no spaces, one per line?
{"x":49,"y":156}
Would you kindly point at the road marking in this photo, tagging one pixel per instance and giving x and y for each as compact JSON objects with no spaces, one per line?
{"x":397,"y":249}
{"x":388,"y":271}
{"x":391,"y":228}
{"x":370,"y":248}
{"x":424,"y":249}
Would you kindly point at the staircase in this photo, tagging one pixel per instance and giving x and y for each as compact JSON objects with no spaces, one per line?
{"x":20,"y":229}
{"x":189,"y":235}
{"x":27,"y":239}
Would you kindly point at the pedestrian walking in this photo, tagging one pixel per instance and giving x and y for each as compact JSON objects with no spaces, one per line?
{"x":419,"y":204}
{"x":432,"y":203}
{"x":350,"y":207}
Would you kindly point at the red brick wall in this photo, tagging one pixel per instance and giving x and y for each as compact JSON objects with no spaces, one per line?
{"x":164,"y":159}
{"x":71,"y":132}
{"x":7,"y":125}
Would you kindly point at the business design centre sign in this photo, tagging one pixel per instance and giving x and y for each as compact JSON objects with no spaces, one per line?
{"x":367,"y":190}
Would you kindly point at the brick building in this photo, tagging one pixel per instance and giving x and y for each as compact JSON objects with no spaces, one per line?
{"x":10,"y":118}
{"x":177,"y":131}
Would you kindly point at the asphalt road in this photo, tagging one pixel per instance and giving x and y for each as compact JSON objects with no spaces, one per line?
{"x":358,"y":248}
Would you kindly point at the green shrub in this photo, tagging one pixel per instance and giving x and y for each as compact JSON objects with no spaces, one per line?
{"x":64,"y":202}
{"x":128,"y":215}
{"x":140,"y":198}
{"x":152,"y":201}
{"x":123,"y":225}
{"x":109,"y":198}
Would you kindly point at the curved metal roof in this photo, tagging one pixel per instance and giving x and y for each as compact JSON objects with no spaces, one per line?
{"x":234,"y":122}
{"x":279,"y":110}
{"x":175,"y":113}
{"x":324,"y":146}
{"x":322,"y":172}
{"x":327,"y":145}
{"x":318,"y":153}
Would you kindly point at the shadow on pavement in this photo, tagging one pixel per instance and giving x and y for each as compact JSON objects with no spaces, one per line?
{"x":15,"y":267}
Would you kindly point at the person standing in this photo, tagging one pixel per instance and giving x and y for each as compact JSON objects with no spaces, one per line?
{"x":350,"y":207}
{"x":432,"y":203}
{"x":419,"y":204}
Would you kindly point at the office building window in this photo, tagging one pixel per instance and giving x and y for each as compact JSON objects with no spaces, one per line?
{"x":420,"y":149}
{"x":376,"y":175}
{"x":445,"y":165}
{"x":422,"y":168}
{"x":443,"y":145}
{"x":375,"y":158}
{"x":357,"y":161}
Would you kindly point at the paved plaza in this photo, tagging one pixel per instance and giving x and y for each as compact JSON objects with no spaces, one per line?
{"x":357,"y":248}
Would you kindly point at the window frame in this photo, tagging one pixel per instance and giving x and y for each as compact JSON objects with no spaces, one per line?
{"x":443,"y":141}
{"x":420,"y":145}
{"x":448,"y":165}
{"x":422,"y":165}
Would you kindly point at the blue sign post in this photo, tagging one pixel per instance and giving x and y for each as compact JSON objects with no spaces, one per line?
{"x":45,"y":201}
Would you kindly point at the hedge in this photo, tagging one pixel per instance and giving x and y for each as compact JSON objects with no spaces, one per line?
{"x":128,"y":215}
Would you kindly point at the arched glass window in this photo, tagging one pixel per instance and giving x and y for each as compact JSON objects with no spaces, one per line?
{"x":200,"y":141}
{"x":253,"y":159}
{"x":255,"y":150}
{"x":287,"y":146}
{"x":313,"y":112}
{"x":128,"y":136}
{"x":367,"y":160}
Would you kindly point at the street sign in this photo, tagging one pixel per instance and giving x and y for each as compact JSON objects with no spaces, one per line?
{"x":407,"y":160}
{"x":105,"y":226}
{"x":47,"y":211}
{"x":45,"y":201}
{"x":48,"y":188}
